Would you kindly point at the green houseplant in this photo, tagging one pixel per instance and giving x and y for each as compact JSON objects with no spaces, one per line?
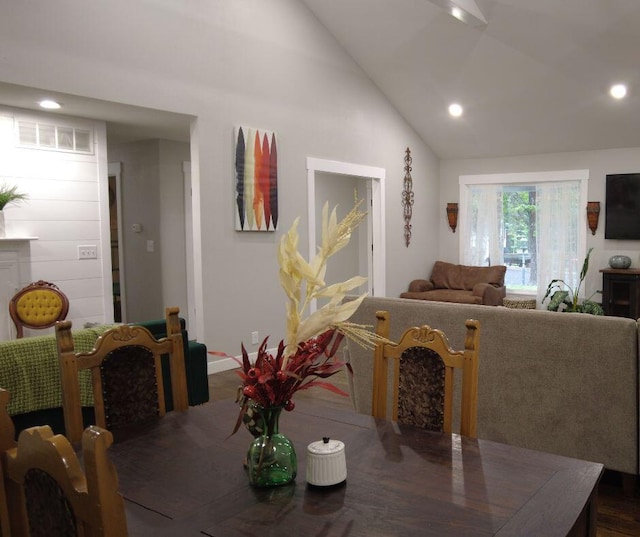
{"x":565,"y":298}
{"x":10,"y":194}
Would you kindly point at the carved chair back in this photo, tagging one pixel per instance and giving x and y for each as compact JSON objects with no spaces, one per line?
{"x":126,"y":372}
{"x":50,"y":495}
{"x":424,"y":366}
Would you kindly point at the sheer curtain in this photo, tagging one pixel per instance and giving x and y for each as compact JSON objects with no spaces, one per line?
{"x":560,"y":230}
{"x":558,"y":242}
{"x":481,"y":230}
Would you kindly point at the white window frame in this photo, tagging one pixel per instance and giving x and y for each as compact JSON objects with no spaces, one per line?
{"x":530,"y":178}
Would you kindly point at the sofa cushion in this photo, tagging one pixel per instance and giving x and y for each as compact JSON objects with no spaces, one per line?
{"x":449,"y":276}
{"x":445,"y":295}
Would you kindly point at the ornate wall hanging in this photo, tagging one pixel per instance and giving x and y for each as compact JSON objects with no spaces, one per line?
{"x":407,"y":196}
{"x":452,"y":216}
{"x":593,"y":212}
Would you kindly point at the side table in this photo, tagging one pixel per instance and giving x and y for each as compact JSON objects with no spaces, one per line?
{"x":621,"y":292}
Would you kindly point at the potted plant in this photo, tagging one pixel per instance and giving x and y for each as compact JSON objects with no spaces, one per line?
{"x":569,"y":297}
{"x":9,"y":194}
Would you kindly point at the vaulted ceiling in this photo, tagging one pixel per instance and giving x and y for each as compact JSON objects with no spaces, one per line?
{"x":532,"y":75}
{"x":533,"y":79}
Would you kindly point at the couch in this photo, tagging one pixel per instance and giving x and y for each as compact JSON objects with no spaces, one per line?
{"x":461,"y":283}
{"x":29,"y":370}
{"x":565,"y":383}
{"x":195,"y":365}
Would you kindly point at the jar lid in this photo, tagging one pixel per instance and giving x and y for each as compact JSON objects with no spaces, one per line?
{"x":326,"y":446}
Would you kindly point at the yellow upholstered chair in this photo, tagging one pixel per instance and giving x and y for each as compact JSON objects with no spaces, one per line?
{"x":48,"y":492}
{"x":126,"y":373}
{"x":423,"y":377}
{"x":38,"y":305}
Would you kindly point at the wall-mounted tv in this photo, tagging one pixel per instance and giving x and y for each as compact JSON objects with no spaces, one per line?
{"x":622,"y":214}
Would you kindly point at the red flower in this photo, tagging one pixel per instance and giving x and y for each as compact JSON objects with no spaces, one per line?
{"x":269,"y":384}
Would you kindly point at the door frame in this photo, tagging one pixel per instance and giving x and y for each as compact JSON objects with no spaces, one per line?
{"x":115,"y":170}
{"x":191,"y":314}
{"x":376,"y":179}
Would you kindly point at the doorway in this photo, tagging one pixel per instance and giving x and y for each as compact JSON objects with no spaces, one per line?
{"x":115,"y":236}
{"x":335,"y":182}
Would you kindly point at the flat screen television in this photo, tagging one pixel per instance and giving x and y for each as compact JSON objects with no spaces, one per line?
{"x":622,"y":213}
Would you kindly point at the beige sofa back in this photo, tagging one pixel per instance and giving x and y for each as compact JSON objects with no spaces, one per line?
{"x":557,"y":382}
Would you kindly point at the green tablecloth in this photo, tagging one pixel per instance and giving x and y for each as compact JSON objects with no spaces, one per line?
{"x":29,"y":370}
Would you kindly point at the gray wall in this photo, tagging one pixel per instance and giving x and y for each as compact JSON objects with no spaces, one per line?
{"x":262,"y":64}
{"x":152,"y":196}
{"x":599,"y":164}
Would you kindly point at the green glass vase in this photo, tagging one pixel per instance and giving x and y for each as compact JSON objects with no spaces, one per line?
{"x":271,"y":459}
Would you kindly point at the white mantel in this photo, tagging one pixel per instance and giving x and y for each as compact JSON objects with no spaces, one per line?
{"x":15,"y":273}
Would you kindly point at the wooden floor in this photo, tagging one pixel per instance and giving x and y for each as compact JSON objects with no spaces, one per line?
{"x":618,"y":514}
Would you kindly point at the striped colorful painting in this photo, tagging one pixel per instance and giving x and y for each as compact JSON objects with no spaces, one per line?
{"x":256,"y":180}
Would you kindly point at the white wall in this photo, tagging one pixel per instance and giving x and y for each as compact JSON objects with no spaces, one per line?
{"x":599,"y":164}
{"x":263,"y":64}
{"x":153,"y":196}
{"x":62,"y":212}
{"x":140,"y":205}
{"x":172,"y":155}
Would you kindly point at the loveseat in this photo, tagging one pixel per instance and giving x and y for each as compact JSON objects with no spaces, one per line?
{"x":565,"y":383}
{"x":461,"y":283}
{"x":29,"y":370}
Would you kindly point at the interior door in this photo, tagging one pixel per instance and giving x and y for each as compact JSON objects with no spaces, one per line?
{"x":353,"y":259}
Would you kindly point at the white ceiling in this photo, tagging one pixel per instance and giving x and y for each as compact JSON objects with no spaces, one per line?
{"x":534,"y":79}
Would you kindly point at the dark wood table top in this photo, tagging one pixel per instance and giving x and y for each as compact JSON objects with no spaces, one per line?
{"x":184,"y":476}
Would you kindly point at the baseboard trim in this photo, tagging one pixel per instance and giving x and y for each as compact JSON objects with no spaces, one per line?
{"x":225,"y":364}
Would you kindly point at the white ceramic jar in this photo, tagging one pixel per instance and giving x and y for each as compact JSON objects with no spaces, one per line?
{"x":326,"y":463}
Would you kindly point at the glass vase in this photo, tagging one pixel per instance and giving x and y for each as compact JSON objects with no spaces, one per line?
{"x":271,"y":459}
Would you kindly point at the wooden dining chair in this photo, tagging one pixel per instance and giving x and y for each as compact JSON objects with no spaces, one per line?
{"x":50,"y":495}
{"x":7,"y":435}
{"x":37,"y":306}
{"x":126,"y":373}
{"x":423,"y":377}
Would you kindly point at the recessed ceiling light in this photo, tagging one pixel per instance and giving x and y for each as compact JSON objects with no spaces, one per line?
{"x":618,"y":91}
{"x":455,"y":110}
{"x":49,"y":104}
{"x":457,"y":13}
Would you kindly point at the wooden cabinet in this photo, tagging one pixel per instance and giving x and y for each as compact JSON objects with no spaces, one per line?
{"x":621,"y":292}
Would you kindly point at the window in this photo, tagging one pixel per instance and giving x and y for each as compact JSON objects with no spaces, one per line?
{"x":531,"y":222}
{"x":33,"y":134}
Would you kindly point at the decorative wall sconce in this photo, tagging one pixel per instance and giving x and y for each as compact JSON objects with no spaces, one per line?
{"x":407,"y":197}
{"x":593,"y":213}
{"x":452,"y":215}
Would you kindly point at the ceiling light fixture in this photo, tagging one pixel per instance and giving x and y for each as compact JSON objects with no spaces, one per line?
{"x":455,"y":110}
{"x":466,"y":11}
{"x":49,"y":104}
{"x":457,"y":13}
{"x":618,"y":91}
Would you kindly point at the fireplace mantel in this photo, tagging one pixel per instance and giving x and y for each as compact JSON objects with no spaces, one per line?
{"x":15,"y":273}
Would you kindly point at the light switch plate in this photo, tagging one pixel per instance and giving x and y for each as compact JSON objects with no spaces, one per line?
{"x":88,"y":252}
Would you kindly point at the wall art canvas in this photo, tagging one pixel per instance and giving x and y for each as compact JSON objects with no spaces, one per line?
{"x":256,"y":180}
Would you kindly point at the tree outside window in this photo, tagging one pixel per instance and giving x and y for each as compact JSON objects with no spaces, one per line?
{"x":529,"y":222}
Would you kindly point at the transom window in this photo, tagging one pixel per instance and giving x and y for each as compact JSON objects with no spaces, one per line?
{"x":37,"y":135}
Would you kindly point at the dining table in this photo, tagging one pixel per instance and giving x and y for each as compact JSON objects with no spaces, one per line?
{"x":184,"y":475}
